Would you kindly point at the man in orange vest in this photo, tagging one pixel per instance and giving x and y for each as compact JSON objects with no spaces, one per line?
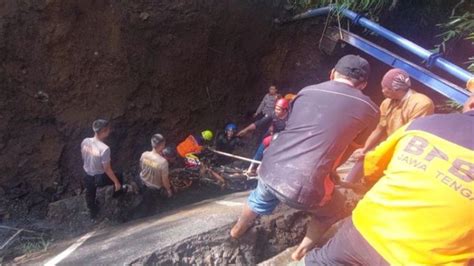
{"x":193,"y":144}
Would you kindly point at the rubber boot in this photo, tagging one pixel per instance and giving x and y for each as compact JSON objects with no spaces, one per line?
{"x":245,"y":221}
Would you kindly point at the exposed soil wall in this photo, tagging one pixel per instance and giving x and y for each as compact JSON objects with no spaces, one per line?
{"x":150,"y":66}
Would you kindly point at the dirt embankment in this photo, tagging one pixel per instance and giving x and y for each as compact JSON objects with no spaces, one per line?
{"x":150,"y":66}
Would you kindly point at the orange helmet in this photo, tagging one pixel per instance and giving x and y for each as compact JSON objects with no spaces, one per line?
{"x":290,"y":96}
{"x":470,"y":85}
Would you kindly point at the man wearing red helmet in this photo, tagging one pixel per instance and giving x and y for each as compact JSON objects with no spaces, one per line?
{"x":273,"y":124}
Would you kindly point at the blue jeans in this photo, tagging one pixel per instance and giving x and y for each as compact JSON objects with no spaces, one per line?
{"x":259,"y":153}
{"x":261,"y":200}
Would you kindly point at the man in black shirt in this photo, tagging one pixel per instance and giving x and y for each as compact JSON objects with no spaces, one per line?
{"x":272,"y":124}
{"x":325,"y":119}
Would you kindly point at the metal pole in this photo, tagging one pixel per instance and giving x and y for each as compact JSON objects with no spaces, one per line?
{"x":234,"y":156}
{"x":429,"y":57}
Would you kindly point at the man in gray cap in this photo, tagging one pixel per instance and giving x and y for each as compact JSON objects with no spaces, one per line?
{"x":96,"y":158}
{"x":324,"y":121}
{"x":402,"y":105}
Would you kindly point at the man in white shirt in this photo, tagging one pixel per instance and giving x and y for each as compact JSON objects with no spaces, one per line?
{"x":154,"y":168}
{"x":96,"y":158}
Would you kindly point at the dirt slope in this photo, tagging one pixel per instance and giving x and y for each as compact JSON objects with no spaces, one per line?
{"x":150,"y":66}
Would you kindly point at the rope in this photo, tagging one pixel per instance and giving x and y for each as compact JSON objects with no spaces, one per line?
{"x":339,"y":24}
{"x":235,"y":156}
{"x":324,"y":30}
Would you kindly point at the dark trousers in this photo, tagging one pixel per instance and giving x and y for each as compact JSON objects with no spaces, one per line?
{"x":152,"y":198}
{"x":346,"y":247}
{"x":92,"y":183}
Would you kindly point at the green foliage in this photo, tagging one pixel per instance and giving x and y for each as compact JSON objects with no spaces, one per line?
{"x":371,"y":7}
{"x":470,"y":37}
{"x":455,"y":30}
{"x":458,"y":28}
{"x":449,"y":106}
{"x":31,"y":246}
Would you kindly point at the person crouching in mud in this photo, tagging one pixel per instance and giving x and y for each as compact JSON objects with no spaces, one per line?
{"x":191,"y":148}
{"x":154,"y":168}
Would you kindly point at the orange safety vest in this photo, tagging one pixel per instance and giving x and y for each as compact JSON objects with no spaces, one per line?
{"x":189,"y":145}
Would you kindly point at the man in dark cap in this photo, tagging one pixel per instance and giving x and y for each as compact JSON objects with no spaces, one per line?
{"x":402,"y":105}
{"x":325,"y":119}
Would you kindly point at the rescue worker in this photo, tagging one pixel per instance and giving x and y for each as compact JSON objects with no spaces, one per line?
{"x":325,"y":119}
{"x":402,"y":105}
{"x":227,"y":141}
{"x":97,"y":167}
{"x":271,"y":124}
{"x":290,"y":97}
{"x":154,"y":168}
{"x":191,"y":147}
{"x":268,"y":102}
{"x":194,"y":144}
{"x":421,"y":210}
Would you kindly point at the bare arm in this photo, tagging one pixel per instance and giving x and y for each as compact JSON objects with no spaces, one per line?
{"x":378,"y":135}
{"x":246,"y":130}
{"x":111,"y":175}
{"x":166,"y":180}
{"x":377,"y":160}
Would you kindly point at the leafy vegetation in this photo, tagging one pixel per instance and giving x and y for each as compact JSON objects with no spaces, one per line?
{"x":372,"y":8}
{"x":457,"y":29}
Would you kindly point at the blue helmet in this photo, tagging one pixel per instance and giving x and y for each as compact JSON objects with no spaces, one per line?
{"x":231,"y":127}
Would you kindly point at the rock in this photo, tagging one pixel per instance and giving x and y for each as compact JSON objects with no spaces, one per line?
{"x":65,"y":210}
{"x":42,"y":96}
{"x":144,"y":15}
{"x":74,"y":210}
{"x":281,"y":223}
{"x":16,"y":193}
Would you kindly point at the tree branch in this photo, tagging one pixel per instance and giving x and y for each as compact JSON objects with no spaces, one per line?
{"x":453,"y":12}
